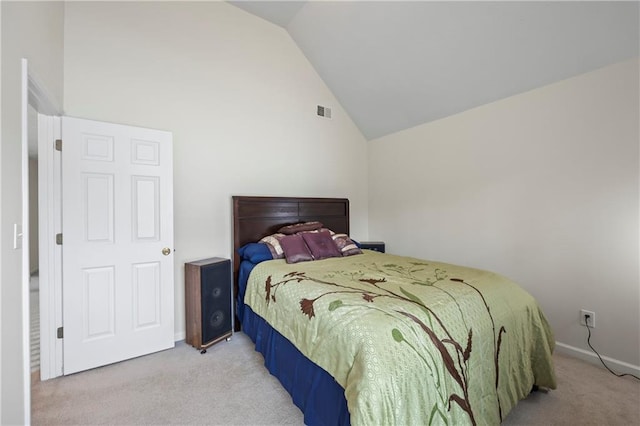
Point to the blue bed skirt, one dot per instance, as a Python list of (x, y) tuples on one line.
[(312, 389)]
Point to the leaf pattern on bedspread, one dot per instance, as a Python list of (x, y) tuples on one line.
[(454, 355)]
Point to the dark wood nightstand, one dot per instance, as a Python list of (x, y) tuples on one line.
[(373, 245)]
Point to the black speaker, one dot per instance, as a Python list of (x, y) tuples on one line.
[(208, 298)]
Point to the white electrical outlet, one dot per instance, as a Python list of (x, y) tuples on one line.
[(591, 321)]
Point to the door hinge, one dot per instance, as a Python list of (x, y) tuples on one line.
[(60, 332), (58, 144), (59, 239)]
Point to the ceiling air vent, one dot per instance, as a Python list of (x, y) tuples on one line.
[(324, 111)]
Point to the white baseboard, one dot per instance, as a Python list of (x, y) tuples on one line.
[(619, 367), (179, 336)]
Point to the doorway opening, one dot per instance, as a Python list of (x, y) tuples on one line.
[(34, 279)]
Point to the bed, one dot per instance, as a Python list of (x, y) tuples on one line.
[(374, 338)]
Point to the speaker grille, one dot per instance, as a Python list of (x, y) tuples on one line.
[(216, 300), (217, 319)]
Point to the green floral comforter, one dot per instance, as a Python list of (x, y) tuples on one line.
[(412, 342)]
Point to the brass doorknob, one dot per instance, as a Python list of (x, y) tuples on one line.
[(166, 251)]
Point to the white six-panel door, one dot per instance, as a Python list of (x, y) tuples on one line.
[(117, 202)]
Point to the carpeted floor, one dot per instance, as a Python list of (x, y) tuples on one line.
[(230, 386), (34, 334), (34, 331)]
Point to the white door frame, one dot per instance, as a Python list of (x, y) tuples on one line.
[(50, 254), (26, 368), (35, 94)]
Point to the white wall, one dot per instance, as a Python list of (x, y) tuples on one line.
[(31, 30), (542, 187), (239, 97)]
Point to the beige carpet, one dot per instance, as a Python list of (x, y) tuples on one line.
[(230, 386)]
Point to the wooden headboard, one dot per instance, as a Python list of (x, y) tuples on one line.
[(257, 217)]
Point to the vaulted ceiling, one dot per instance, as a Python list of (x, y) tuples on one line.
[(397, 64)]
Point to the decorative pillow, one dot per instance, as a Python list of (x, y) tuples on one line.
[(299, 227), (273, 243), (321, 245), (346, 245), (255, 252), (295, 249), (315, 231)]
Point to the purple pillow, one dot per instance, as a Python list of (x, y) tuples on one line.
[(295, 249), (321, 245)]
